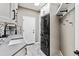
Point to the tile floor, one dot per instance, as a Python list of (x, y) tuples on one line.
[(34, 50)]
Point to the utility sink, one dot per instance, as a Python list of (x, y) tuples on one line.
[(15, 39), (13, 42)]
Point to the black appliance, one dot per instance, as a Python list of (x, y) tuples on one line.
[(45, 34)]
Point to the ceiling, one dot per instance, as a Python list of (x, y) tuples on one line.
[(31, 6)]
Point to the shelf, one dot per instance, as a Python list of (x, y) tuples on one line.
[(64, 9), (59, 8)]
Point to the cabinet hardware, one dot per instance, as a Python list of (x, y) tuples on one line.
[(14, 14)]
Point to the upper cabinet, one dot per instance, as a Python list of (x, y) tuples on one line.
[(4, 10), (8, 11)]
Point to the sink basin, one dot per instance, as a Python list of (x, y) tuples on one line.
[(12, 42)]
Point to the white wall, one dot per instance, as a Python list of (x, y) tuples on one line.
[(67, 40), (54, 30), (77, 26), (27, 12)]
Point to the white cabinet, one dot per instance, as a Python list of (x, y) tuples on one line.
[(8, 11), (45, 9), (4, 10)]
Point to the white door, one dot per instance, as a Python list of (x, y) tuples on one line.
[(29, 29)]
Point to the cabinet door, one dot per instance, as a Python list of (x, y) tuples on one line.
[(8, 10), (4, 10)]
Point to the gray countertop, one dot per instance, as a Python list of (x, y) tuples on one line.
[(8, 50)]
